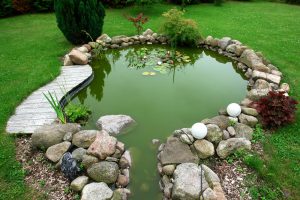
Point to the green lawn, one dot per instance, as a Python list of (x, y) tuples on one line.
[(31, 47)]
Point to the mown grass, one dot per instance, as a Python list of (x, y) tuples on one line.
[(31, 46)]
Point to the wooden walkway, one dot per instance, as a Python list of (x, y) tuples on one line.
[(35, 111)]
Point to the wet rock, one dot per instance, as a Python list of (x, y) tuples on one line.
[(115, 124), (49, 135), (103, 146), (88, 160), (176, 152), (168, 169), (69, 166), (187, 182), (78, 183), (84, 138), (248, 120), (55, 152), (104, 171), (78, 58), (204, 148), (227, 147), (96, 191), (214, 133), (125, 160), (243, 131), (79, 153)]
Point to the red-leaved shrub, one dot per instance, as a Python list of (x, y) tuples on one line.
[(22, 6), (276, 109), (138, 22)]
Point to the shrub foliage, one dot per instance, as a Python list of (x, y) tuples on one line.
[(180, 31), (138, 21), (22, 6), (6, 8), (79, 20), (77, 113), (43, 5), (276, 109)]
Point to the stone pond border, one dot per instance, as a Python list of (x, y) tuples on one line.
[(179, 156)]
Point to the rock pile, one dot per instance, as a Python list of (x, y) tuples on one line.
[(100, 161)]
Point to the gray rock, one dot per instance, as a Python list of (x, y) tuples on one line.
[(277, 73), (248, 120), (210, 176), (78, 183), (187, 182), (256, 94), (249, 111), (168, 169), (79, 153), (68, 137), (227, 147), (49, 135), (96, 191), (124, 44), (55, 152), (84, 138), (88, 160), (78, 58), (121, 194), (253, 61), (243, 131), (125, 160), (148, 32), (104, 171), (186, 138), (118, 39), (104, 38), (209, 194), (115, 124), (69, 166), (204, 148), (224, 42), (221, 121), (214, 133), (226, 135), (266, 76), (231, 131), (176, 152)]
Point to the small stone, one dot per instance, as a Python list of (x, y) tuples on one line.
[(55, 152), (224, 42), (105, 38), (186, 138), (67, 61), (122, 181), (88, 160), (248, 120), (204, 148), (84, 138), (104, 171), (221, 121), (112, 159), (227, 147), (217, 188), (261, 84), (159, 168), (155, 142), (125, 160), (256, 94), (77, 57), (79, 153), (225, 135), (168, 169), (120, 146), (214, 133), (249, 111), (96, 191), (266, 76), (285, 87), (69, 166), (222, 111), (121, 194), (243, 131), (231, 131), (68, 137), (78, 183), (246, 102), (210, 175)]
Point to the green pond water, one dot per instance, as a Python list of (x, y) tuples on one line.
[(160, 104)]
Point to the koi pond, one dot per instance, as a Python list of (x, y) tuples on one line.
[(163, 91)]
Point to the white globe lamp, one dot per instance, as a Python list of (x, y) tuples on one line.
[(234, 109), (199, 130)]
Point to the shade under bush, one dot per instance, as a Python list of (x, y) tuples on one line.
[(80, 20)]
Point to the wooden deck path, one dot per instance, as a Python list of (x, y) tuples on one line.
[(35, 111)]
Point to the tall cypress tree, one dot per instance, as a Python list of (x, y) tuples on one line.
[(79, 20)]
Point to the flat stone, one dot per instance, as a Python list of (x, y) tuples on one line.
[(84, 138), (266, 76), (115, 124), (221, 121), (204, 148), (250, 111), (227, 147), (253, 61), (248, 120), (78, 183), (231, 131), (176, 152), (187, 182), (104, 171), (55, 152), (96, 191), (49, 135), (243, 131), (103, 146)]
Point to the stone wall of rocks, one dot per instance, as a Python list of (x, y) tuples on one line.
[(96, 163)]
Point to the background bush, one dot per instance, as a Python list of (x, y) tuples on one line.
[(22, 6), (43, 5), (79, 20), (6, 8)]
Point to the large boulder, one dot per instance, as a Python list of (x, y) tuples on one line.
[(176, 152), (204, 148), (103, 146), (84, 138), (96, 191), (227, 147), (253, 61), (187, 182), (214, 133), (104, 171), (243, 131), (115, 124), (55, 152), (49, 135), (248, 120), (78, 57)]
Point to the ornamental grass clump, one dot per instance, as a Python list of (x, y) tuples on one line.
[(179, 30), (76, 18), (276, 109)]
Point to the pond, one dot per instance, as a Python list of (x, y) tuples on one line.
[(160, 100)]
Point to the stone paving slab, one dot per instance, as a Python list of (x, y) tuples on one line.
[(35, 110)]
